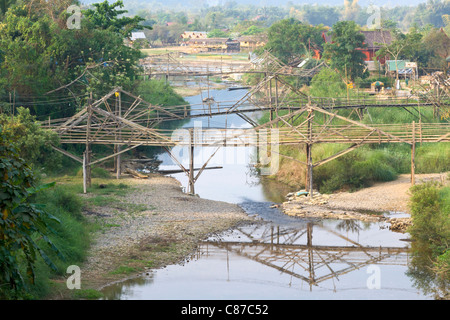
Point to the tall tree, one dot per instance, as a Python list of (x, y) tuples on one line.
[(439, 43), (38, 54), (344, 50), (290, 38), (106, 16)]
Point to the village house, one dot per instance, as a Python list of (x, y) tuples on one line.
[(251, 43), (215, 45), (194, 35), (137, 35)]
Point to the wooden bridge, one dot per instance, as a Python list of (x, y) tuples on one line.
[(171, 65), (122, 119)]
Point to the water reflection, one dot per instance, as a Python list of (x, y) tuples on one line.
[(292, 251), (313, 260), (422, 273)]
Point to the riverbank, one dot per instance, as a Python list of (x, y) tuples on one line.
[(148, 225), (368, 204), (391, 196)]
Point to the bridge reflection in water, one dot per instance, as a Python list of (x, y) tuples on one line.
[(304, 260), (293, 252)]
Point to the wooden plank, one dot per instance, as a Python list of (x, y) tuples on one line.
[(115, 154), (74, 157)]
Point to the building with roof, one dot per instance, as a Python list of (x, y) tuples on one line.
[(251, 43), (137, 35), (215, 44), (404, 68), (194, 35)]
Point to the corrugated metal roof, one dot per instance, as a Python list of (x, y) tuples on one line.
[(137, 35)]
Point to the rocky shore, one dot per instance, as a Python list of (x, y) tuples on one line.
[(300, 204), (368, 204), (161, 226)]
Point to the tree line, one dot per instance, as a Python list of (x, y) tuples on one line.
[(234, 19)]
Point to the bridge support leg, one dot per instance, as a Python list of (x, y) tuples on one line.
[(87, 152), (309, 175), (191, 162), (84, 173), (413, 154)]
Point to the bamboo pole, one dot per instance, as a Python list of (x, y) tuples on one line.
[(87, 159), (413, 151), (84, 173), (191, 162), (118, 158), (309, 156)]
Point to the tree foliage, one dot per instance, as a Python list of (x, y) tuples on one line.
[(290, 38), (105, 16), (344, 49), (21, 221), (33, 142), (39, 53), (218, 33)]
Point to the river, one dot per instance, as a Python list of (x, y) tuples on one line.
[(280, 257)]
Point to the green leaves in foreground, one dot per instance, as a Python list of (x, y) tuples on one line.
[(22, 223)]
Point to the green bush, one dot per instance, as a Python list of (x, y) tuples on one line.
[(42, 230), (63, 200), (96, 172), (366, 83), (70, 236), (430, 222), (158, 92), (430, 230), (24, 226), (33, 142), (354, 170)]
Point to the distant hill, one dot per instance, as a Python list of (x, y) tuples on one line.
[(179, 4)]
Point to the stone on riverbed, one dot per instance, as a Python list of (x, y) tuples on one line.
[(299, 204), (400, 224)]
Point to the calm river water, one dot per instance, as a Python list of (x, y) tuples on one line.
[(280, 258)]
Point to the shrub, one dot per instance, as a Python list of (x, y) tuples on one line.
[(430, 223), (96, 172), (22, 222), (33, 142)]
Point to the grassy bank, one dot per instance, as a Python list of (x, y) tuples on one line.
[(361, 167), (140, 224), (430, 265), (71, 236), (79, 226)]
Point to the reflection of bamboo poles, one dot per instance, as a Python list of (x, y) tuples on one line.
[(281, 251)]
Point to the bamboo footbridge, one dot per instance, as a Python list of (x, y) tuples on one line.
[(126, 121)]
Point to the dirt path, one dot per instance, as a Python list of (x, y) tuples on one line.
[(382, 197)]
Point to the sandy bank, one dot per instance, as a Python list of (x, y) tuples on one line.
[(381, 197), (165, 229), (368, 204)]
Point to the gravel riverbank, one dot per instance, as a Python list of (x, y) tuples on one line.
[(162, 225), (368, 204)]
